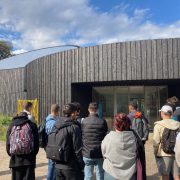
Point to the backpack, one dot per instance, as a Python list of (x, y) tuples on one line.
[(137, 126), (59, 148), (43, 137), (168, 140), (21, 139)]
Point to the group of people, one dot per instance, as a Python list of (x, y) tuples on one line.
[(76, 145)]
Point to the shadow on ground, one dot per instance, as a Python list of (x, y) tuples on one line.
[(154, 177), (41, 165), (41, 177), (3, 173)]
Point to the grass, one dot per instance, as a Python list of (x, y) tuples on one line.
[(4, 122)]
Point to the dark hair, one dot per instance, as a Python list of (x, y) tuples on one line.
[(133, 104), (93, 106), (69, 108), (121, 122), (23, 114), (55, 108), (28, 105), (173, 102), (78, 106)]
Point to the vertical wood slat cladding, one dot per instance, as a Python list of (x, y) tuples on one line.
[(105, 63), (154, 60), (49, 78), (96, 63), (87, 64), (124, 62), (164, 59), (175, 58), (170, 59), (80, 62), (118, 61), (159, 59), (129, 63), (178, 57), (133, 60), (144, 57), (149, 59), (11, 89), (114, 61), (138, 60), (109, 63), (100, 63), (84, 66), (91, 58)]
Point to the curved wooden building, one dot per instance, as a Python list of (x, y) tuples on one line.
[(145, 71)]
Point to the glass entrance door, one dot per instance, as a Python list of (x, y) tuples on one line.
[(115, 99)]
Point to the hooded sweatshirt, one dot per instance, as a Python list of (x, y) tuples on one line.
[(119, 152), (158, 131), (24, 159), (50, 121)]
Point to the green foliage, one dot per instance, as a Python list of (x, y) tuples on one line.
[(4, 122), (5, 49), (3, 130)]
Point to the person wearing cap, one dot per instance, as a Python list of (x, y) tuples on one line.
[(94, 130), (166, 163)]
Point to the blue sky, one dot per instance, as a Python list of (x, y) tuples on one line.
[(31, 24), (162, 11)]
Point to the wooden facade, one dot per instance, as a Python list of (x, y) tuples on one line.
[(50, 78), (11, 89)]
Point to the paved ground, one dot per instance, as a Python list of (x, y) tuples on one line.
[(41, 170)]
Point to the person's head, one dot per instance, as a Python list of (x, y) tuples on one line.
[(70, 110), (55, 109), (166, 112), (78, 106), (132, 106), (121, 122), (28, 106), (173, 102), (93, 108)]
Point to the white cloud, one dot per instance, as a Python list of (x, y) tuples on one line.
[(19, 51), (56, 22)]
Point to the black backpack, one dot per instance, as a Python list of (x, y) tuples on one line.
[(58, 147), (43, 137), (168, 140)]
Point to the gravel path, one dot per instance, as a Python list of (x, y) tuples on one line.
[(41, 170)]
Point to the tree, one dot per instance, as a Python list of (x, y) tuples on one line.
[(5, 49)]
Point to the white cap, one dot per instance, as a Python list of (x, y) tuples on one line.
[(166, 109)]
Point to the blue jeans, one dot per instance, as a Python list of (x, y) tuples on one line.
[(51, 170), (89, 168)]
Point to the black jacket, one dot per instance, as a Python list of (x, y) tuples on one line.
[(72, 134), (94, 130), (23, 160)]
